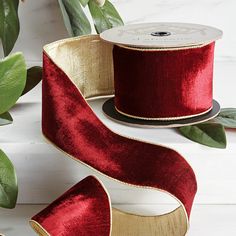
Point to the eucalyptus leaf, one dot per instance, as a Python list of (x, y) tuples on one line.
[(84, 2), (12, 80), (9, 24), (34, 76), (209, 134), (5, 119), (227, 118), (75, 20), (8, 182), (104, 17)]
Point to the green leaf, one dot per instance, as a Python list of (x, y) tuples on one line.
[(100, 3), (104, 17), (209, 134), (65, 18), (8, 182), (84, 2), (227, 118), (5, 119), (75, 20), (12, 80), (34, 76), (9, 24)]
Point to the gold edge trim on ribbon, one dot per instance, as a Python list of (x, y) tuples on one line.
[(107, 194), (163, 118), (176, 125), (38, 228), (143, 49)]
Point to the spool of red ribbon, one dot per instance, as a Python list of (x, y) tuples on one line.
[(163, 71)]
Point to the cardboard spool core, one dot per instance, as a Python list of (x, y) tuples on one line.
[(161, 35)]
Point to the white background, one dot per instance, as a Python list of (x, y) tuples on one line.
[(41, 21), (44, 173)]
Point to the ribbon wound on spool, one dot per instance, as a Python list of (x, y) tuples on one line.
[(161, 84)]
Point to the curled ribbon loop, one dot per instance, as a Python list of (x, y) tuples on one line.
[(80, 68)]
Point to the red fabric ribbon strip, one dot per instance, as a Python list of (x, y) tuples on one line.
[(69, 123), (163, 84)]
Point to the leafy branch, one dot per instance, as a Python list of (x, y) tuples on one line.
[(15, 81), (9, 24), (104, 15)]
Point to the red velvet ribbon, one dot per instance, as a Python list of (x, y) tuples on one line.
[(70, 124), (169, 84)]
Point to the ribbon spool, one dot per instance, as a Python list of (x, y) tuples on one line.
[(163, 74)]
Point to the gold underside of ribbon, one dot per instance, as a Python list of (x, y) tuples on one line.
[(87, 61), (38, 228), (164, 48), (125, 224)]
